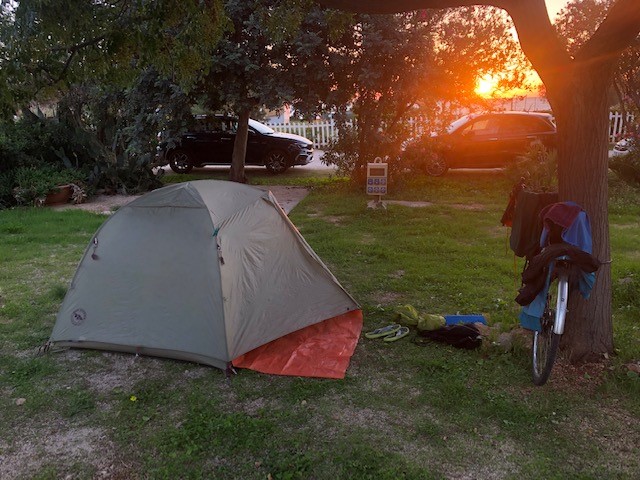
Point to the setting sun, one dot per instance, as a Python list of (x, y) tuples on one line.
[(490, 86), (485, 86)]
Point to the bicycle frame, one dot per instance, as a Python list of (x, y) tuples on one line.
[(547, 340), (561, 305)]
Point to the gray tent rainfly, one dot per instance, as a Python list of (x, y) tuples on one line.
[(203, 271)]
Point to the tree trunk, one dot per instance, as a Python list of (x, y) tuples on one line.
[(581, 110), (236, 173)]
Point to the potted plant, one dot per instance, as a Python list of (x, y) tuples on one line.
[(46, 186)]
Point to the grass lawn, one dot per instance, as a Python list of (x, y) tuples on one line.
[(404, 411)]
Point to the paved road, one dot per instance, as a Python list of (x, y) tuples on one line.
[(315, 164)]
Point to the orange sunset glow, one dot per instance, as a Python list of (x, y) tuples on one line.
[(487, 86)]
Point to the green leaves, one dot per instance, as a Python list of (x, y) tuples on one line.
[(47, 45)]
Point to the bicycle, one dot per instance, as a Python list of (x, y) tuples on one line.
[(545, 342), (555, 239)]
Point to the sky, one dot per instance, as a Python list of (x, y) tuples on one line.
[(554, 6), (485, 86)]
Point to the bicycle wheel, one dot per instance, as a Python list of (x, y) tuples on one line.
[(546, 341)]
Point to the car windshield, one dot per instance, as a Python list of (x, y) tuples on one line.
[(458, 123), (260, 127)]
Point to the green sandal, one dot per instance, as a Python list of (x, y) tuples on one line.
[(383, 331), (401, 333)]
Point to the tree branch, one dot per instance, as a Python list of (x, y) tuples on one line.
[(537, 36), (539, 40), (79, 46), (384, 6), (615, 33)]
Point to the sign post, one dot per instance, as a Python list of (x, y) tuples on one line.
[(377, 173)]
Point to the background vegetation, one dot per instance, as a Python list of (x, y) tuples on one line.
[(92, 97), (96, 95)]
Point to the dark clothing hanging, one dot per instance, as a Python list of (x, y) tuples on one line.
[(534, 276)]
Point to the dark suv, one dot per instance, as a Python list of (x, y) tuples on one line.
[(486, 140), (211, 143)]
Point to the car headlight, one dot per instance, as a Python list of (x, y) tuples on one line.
[(300, 146)]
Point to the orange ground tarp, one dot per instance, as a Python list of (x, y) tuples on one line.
[(321, 350)]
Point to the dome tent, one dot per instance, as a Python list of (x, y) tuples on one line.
[(208, 271)]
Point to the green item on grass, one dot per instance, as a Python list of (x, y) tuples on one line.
[(383, 331), (431, 322), (407, 315), (401, 333)]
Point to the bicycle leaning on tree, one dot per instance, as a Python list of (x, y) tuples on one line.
[(555, 239)]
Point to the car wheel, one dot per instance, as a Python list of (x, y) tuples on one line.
[(180, 161), (436, 165), (276, 161)]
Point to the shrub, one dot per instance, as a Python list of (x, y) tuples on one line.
[(627, 167), (346, 153), (22, 143), (343, 151), (32, 184), (417, 154), (38, 153), (538, 169), (6, 190)]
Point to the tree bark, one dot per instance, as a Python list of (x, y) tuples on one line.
[(582, 117), (577, 89), (236, 173)]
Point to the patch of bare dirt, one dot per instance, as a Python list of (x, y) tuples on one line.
[(288, 197), (386, 298), (585, 377), (472, 206), (333, 220), (60, 442), (57, 442), (103, 204), (120, 371), (409, 204), (460, 206), (367, 239)]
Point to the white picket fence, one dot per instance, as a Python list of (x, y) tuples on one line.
[(616, 125), (322, 132)]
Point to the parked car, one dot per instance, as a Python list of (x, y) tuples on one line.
[(486, 140), (212, 141)]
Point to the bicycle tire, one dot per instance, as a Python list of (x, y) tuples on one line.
[(545, 343)]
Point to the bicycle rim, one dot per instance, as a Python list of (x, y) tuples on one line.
[(545, 342)]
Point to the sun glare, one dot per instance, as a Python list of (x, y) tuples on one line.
[(485, 86)]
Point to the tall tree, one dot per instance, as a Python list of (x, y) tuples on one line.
[(95, 65), (393, 66), (577, 87), (576, 23), (46, 46), (383, 63), (477, 42), (275, 53)]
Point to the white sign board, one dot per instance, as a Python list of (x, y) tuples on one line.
[(377, 177)]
